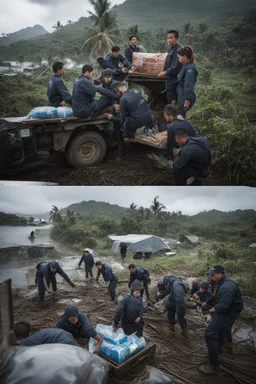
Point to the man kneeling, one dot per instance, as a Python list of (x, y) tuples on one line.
[(134, 110)]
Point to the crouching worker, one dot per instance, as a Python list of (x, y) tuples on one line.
[(177, 304), (202, 295), (134, 110), (129, 312), (45, 276), (109, 277), (194, 159), (78, 324), (24, 337), (115, 117)]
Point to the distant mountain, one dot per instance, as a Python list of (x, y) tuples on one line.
[(149, 15), (152, 14), (23, 34), (96, 208), (215, 215)]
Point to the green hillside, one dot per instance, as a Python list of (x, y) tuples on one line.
[(25, 33), (96, 209), (9, 219), (68, 41)]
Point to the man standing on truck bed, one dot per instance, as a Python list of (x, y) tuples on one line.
[(57, 92), (83, 103), (172, 67)]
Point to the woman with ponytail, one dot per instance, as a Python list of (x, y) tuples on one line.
[(187, 80)]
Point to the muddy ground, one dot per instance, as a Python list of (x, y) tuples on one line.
[(173, 354), (136, 167)]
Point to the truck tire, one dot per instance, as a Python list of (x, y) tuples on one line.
[(86, 149)]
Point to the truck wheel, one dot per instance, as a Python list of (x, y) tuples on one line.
[(86, 149)]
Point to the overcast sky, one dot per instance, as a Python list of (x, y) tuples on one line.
[(31, 200), (18, 14)]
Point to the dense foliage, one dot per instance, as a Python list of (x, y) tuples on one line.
[(9, 219)]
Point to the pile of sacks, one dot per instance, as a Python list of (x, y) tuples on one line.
[(40, 112), (117, 346)]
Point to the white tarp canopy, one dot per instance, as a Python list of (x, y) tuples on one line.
[(140, 243), (253, 245)]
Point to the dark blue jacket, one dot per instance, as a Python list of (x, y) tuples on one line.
[(88, 261), (129, 51), (203, 296), (229, 297), (123, 247), (196, 154), (83, 328), (172, 128), (141, 274), (45, 271), (133, 107), (49, 336), (187, 80), (129, 309), (57, 92), (112, 63), (177, 292), (83, 95), (172, 66), (109, 86), (106, 273)]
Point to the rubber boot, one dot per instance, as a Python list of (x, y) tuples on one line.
[(185, 333), (209, 369), (41, 298)]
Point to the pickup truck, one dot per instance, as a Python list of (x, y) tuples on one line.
[(84, 141)]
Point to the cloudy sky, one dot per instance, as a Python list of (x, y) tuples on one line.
[(18, 14), (31, 200)]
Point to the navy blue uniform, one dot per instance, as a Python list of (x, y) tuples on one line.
[(89, 263), (44, 271), (176, 301), (112, 63), (186, 87), (110, 278), (129, 51), (194, 160), (172, 128), (83, 328), (83, 103), (57, 92), (49, 336), (172, 67), (141, 274), (203, 296), (135, 112), (123, 249), (229, 304), (128, 310)]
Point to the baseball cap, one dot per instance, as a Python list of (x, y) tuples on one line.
[(217, 268)]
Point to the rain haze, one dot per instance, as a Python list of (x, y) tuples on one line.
[(18, 14), (32, 200)]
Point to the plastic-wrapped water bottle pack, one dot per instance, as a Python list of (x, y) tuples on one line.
[(41, 112), (116, 345)]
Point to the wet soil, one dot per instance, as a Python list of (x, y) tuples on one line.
[(174, 355), (134, 168)]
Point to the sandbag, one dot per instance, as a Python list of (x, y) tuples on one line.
[(52, 364), (155, 376), (39, 112), (64, 111)]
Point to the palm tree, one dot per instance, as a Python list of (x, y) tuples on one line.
[(188, 28), (156, 206), (100, 37), (38, 61), (69, 21), (101, 7), (133, 207), (56, 215), (57, 26), (21, 60), (71, 217), (203, 28), (136, 31)]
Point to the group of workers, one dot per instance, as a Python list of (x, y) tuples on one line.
[(189, 154), (219, 296)]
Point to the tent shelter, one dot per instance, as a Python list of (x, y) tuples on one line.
[(253, 245), (189, 239), (140, 243)]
